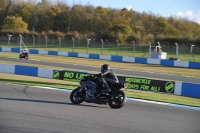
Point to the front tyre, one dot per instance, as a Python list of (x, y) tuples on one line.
[(77, 96), (118, 101), (26, 57)]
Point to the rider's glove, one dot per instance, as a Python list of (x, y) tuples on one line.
[(122, 84)]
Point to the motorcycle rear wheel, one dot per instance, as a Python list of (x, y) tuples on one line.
[(77, 97), (118, 101)]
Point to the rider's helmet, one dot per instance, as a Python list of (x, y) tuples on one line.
[(105, 67), (25, 49)]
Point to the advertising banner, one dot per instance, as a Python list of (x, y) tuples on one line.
[(68, 75), (149, 84), (135, 82)]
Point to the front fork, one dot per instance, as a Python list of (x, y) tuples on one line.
[(80, 88)]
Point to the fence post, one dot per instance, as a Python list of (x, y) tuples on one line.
[(9, 37), (191, 47), (167, 47), (101, 46), (73, 44), (39, 40), (46, 42), (133, 48), (149, 49), (33, 41), (117, 46), (159, 44), (88, 41), (176, 50), (59, 39), (20, 42), (52, 42), (94, 43)]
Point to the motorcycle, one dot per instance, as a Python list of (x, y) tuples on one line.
[(23, 55), (115, 99)]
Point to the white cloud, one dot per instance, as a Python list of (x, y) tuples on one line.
[(190, 15), (165, 15), (180, 14), (129, 7), (198, 17)]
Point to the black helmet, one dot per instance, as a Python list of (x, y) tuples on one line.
[(104, 67)]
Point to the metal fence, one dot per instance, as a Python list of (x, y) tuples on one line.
[(183, 52)]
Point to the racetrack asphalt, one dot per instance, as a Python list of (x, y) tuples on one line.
[(79, 67), (25, 109)]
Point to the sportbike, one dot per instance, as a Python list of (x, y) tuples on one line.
[(115, 99)]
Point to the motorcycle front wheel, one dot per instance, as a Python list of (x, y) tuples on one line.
[(118, 101), (77, 96)]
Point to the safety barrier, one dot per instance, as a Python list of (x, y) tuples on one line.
[(177, 88), (165, 62)]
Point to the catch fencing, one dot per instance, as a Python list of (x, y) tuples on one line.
[(173, 63), (103, 47)]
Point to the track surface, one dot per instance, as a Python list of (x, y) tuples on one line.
[(117, 70), (26, 109)]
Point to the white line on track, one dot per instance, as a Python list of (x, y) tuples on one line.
[(135, 99), (131, 99)]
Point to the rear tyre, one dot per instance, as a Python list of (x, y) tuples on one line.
[(77, 96), (118, 101)]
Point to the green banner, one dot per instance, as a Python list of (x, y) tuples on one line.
[(135, 82), (68, 75), (149, 84)]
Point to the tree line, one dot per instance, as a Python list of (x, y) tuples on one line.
[(86, 21)]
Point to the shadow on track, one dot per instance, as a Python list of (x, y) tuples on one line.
[(52, 102)]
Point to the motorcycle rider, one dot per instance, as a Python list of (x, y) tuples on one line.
[(104, 79), (24, 51), (109, 77), (24, 54)]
